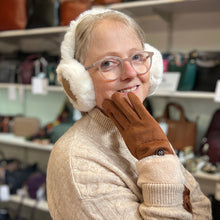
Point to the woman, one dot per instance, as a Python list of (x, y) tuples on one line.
[(115, 162)]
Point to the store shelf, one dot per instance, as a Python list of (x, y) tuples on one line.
[(42, 205), (209, 183), (33, 32), (136, 9), (178, 94), (166, 7), (186, 94), (11, 139), (28, 87), (207, 176)]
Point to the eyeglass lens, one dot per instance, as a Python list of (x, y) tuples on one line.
[(112, 67)]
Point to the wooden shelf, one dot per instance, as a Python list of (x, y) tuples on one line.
[(11, 139), (42, 205)]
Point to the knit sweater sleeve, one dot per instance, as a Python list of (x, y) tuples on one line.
[(162, 184), (85, 186), (162, 180)]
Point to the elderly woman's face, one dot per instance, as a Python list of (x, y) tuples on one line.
[(115, 39)]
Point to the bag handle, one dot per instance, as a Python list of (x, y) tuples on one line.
[(166, 113)]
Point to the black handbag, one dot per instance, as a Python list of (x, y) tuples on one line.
[(208, 71), (43, 13), (8, 67)]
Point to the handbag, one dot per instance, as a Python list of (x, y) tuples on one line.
[(26, 126), (43, 13), (106, 2), (13, 14), (210, 144), (208, 71), (187, 69), (70, 10), (26, 68), (8, 65), (181, 133)]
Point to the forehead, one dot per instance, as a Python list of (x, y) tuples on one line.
[(109, 31), (112, 38), (112, 25)]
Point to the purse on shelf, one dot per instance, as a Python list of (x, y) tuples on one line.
[(8, 66), (208, 71), (181, 133), (211, 141), (43, 13), (25, 126), (26, 68), (106, 2), (70, 10), (186, 65), (13, 14)]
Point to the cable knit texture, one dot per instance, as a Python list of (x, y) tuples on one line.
[(92, 175)]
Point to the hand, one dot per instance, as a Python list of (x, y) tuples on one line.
[(141, 133)]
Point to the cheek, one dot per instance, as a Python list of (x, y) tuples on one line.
[(103, 90), (145, 80)]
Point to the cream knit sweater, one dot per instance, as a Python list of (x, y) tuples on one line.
[(92, 175)]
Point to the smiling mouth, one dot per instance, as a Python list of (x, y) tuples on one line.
[(128, 90)]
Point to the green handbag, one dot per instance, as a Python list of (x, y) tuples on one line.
[(187, 69), (188, 76)]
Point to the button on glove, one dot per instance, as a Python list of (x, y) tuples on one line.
[(141, 133)]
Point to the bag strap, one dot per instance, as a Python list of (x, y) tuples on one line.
[(166, 113)]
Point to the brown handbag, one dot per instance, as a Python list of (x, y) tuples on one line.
[(106, 2), (181, 133), (70, 10), (13, 14), (25, 126)]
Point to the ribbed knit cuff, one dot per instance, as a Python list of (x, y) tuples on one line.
[(163, 194)]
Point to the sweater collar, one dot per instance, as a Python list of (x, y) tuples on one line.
[(102, 120)]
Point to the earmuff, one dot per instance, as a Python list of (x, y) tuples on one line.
[(76, 80)]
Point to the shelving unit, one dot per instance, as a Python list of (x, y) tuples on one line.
[(179, 94), (42, 205), (10, 139), (186, 94), (28, 87), (33, 32)]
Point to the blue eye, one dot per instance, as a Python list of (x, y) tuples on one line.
[(137, 57), (140, 57), (107, 65)]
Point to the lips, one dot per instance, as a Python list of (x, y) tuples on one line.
[(128, 89)]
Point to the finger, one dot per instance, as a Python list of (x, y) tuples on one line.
[(122, 103), (138, 106), (115, 114)]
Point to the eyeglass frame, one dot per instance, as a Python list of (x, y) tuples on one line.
[(122, 60)]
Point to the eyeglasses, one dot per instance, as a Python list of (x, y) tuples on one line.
[(111, 67)]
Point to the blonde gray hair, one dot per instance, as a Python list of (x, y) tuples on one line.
[(86, 26)]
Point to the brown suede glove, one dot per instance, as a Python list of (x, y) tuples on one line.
[(141, 133)]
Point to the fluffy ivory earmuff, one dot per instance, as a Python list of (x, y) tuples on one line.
[(76, 80)]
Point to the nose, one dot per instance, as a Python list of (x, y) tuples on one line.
[(128, 71)]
